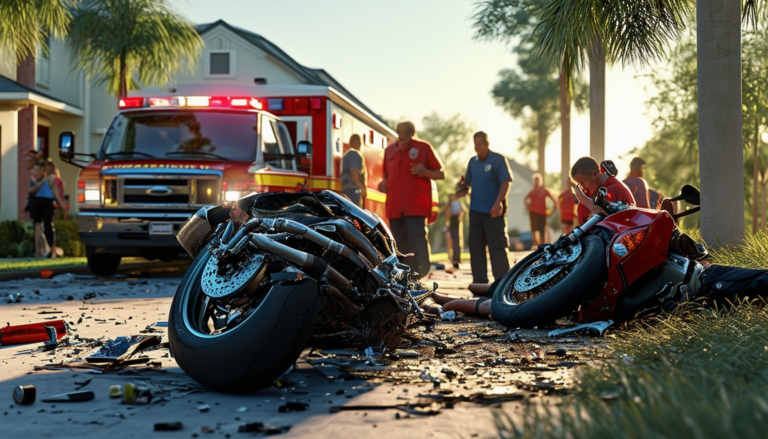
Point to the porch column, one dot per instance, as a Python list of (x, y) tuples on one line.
[(27, 134)]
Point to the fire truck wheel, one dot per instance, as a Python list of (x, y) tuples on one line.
[(585, 277), (102, 264), (252, 354)]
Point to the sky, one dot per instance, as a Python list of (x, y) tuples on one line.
[(407, 58)]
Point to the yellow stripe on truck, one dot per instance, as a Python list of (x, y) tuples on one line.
[(334, 185), (279, 180), (376, 196)]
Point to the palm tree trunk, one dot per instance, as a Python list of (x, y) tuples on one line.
[(565, 131), (721, 156), (763, 184), (754, 171), (123, 78), (597, 104), (542, 147)]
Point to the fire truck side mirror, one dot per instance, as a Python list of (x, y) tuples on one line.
[(304, 149), (67, 146)]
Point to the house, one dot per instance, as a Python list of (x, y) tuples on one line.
[(48, 94)]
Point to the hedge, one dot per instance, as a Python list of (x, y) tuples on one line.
[(17, 239)]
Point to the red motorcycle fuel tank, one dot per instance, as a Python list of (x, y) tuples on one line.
[(645, 234)]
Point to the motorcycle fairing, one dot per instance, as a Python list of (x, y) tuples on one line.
[(624, 271)]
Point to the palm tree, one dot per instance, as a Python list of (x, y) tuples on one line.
[(508, 20), (534, 88), (122, 42), (26, 24)]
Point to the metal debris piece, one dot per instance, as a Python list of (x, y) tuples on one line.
[(123, 348), (596, 329), (80, 396), (448, 316), (407, 354), (168, 426), (371, 351)]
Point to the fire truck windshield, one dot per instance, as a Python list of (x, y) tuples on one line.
[(184, 135)]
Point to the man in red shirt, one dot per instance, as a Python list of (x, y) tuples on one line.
[(586, 174), (536, 203), (409, 167), (637, 184), (567, 210)]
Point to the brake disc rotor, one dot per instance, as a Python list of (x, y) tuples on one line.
[(536, 274), (218, 285)]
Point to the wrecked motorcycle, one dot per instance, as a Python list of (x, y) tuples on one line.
[(616, 265), (279, 271)]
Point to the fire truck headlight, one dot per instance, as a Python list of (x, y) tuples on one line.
[(92, 195), (231, 195)]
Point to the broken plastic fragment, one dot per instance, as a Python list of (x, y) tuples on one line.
[(596, 329), (448, 316)]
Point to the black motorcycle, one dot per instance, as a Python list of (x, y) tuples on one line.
[(278, 272)]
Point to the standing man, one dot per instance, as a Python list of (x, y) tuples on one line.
[(409, 167), (454, 213), (353, 175), (489, 177), (637, 184), (536, 203)]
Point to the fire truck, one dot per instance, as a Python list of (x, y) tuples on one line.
[(167, 154)]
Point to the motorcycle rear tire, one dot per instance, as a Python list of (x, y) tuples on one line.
[(254, 353), (586, 278)]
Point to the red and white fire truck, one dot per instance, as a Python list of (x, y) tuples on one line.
[(167, 154)]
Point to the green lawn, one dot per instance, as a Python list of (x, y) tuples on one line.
[(690, 374), (39, 264)]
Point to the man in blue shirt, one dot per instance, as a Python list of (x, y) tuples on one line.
[(489, 176)]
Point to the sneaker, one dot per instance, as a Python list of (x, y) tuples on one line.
[(456, 266)]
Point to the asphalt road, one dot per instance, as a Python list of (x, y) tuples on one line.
[(486, 359)]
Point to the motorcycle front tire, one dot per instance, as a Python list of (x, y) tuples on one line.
[(254, 353), (586, 278)]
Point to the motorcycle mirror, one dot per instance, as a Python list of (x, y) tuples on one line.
[(689, 194), (602, 193)]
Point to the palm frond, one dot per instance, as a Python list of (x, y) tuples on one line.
[(26, 24), (147, 36)]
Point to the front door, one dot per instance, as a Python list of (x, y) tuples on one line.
[(42, 140)]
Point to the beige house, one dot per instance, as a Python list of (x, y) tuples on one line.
[(39, 100)]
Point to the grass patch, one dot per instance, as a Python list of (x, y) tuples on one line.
[(691, 374), (38, 264)]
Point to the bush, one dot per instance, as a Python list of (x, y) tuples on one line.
[(68, 238), (16, 239)]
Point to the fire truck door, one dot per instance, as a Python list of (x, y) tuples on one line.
[(300, 128)]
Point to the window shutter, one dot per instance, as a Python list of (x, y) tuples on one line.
[(219, 64)]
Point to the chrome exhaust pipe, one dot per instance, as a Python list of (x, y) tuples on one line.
[(313, 265), (296, 228)]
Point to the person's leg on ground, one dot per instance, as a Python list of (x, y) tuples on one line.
[(419, 242), (477, 259)]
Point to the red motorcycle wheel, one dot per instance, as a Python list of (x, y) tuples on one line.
[(558, 291)]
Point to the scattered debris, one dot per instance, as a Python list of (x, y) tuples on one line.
[(371, 351), (204, 408), (79, 396), (89, 296), (448, 316), (31, 333), (24, 395), (252, 427), (123, 348), (168, 426), (596, 329)]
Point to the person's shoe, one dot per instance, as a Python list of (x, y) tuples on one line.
[(456, 266), (59, 252)]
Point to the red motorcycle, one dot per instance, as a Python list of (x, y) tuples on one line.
[(615, 265)]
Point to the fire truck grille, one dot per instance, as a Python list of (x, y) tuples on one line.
[(151, 199)]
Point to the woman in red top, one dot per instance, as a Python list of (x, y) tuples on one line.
[(536, 203)]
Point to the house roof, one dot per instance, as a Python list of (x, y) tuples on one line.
[(312, 76), (520, 172), (14, 94)]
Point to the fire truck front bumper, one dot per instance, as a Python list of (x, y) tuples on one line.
[(131, 233)]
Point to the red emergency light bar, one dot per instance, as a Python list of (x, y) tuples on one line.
[(192, 102)]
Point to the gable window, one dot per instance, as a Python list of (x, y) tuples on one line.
[(220, 64)]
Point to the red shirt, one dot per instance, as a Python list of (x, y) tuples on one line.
[(567, 206), (538, 197), (639, 188), (617, 191), (407, 194)]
